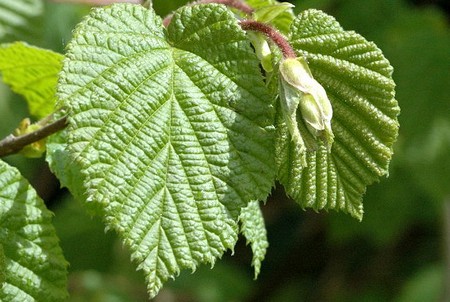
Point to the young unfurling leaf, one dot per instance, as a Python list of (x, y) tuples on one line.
[(302, 96)]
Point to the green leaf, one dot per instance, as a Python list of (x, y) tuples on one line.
[(34, 267), (265, 8), (270, 12), (19, 19), (358, 81), (254, 230), (2, 266), (262, 50), (31, 72), (62, 166), (172, 130)]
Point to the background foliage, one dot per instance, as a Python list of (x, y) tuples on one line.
[(395, 254)]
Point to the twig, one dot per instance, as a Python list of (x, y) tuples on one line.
[(13, 144)]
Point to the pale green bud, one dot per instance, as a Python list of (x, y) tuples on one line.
[(148, 4), (262, 50), (302, 96)]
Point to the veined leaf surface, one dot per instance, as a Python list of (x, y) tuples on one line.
[(254, 230), (358, 81), (31, 72), (32, 266), (172, 130)]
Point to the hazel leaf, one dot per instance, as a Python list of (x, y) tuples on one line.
[(358, 81), (32, 266), (171, 130)]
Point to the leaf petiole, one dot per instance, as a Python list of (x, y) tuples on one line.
[(274, 35)]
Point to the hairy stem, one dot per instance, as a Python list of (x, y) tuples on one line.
[(13, 144), (272, 34)]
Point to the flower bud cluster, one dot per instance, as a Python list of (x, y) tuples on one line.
[(305, 105)]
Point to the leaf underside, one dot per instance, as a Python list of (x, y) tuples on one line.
[(34, 268), (31, 72), (171, 130), (358, 81)]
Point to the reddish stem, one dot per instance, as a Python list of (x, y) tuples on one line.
[(272, 34), (167, 19)]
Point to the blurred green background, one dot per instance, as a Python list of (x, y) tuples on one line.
[(399, 252)]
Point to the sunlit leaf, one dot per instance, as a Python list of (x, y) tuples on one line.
[(31, 72), (171, 130), (31, 261), (358, 81), (254, 230)]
